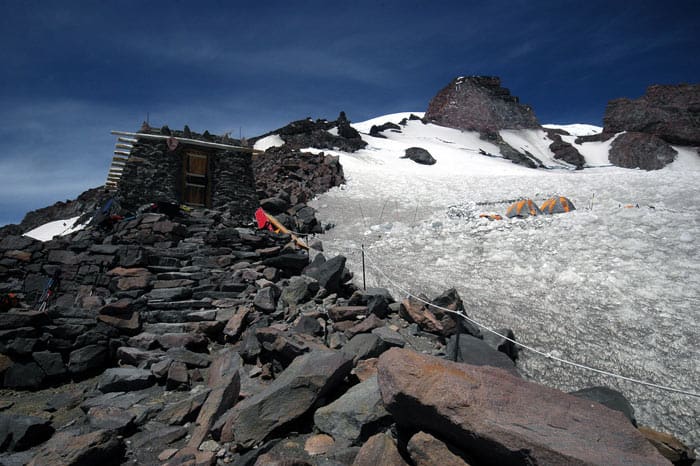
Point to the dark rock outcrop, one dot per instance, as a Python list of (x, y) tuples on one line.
[(88, 201), (641, 150), (670, 112), (376, 130), (563, 150), (479, 103), (419, 155), (319, 134)]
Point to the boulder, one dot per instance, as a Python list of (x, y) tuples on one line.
[(86, 359), (366, 325), (365, 346), (349, 418), (297, 389), (19, 432), (340, 313), (299, 290), (125, 379), (235, 325), (609, 398), (192, 341), (183, 411), (499, 343), (111, 418), (308, 325), (329, 274), (670, 447), (501, 419), (379, 449), (419, 155), (73, 449), (24, 376), (224, 382), (178, 378), (426, 450), (451, 323), (188, 357), (50, 363), (640, 150), (467, 349), (417, 311), (289, 263), (266, 299), (377, 300)]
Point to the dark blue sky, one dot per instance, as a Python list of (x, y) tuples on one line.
[(71, 71)]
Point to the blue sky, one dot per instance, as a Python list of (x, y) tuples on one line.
[(72, 71)]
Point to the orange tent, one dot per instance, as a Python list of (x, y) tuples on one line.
[(523, 208), (557, 205)]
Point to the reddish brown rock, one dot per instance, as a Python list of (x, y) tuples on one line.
[(365, 368), (22, 256), (416, 311), (236, 323), (128, 272), (379, 449), (129, 326), (65, 448), (426, 450), (319, 444), (501, 419), (479, 103), (225, 382), (347, 312), (365, 326), (134, 283), (669, 446)]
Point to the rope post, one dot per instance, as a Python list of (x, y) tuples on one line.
[(364, 280)]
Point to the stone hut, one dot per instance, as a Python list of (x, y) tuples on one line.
[(183, 167)]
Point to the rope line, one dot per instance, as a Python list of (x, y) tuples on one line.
[(527, 347)]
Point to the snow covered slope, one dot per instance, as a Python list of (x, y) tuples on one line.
[(607, 286)]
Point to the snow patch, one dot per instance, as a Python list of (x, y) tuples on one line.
[(577, 129), (273, 140), (48, 230), (365, 126)]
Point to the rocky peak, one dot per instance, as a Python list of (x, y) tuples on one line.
[(670, 112), (479, 103)]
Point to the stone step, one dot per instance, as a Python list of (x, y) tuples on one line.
[(190, 304)]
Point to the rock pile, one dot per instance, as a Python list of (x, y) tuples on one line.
[(286, 179), (195, 340), (89, 201), (320, 134)]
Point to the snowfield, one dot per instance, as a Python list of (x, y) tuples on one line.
[(610, 285)]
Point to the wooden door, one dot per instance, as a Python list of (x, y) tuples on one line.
[(196, 179)]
